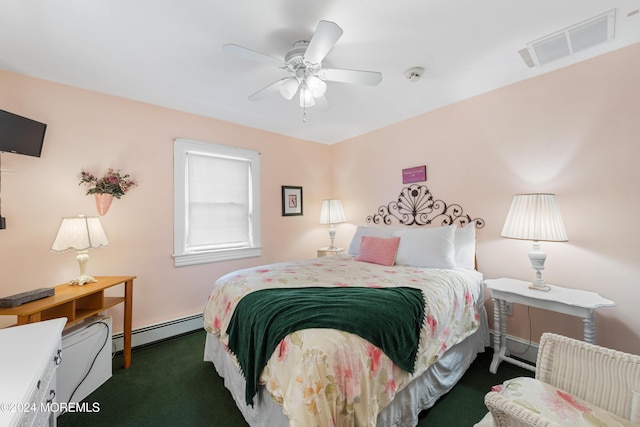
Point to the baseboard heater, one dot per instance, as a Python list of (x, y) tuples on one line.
[(160, 331)]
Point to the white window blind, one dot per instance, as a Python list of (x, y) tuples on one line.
[(216, 202)]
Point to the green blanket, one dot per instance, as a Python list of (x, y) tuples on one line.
[(389, 318)]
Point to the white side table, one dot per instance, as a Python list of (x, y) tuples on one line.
[(562, 300), (328, 251)]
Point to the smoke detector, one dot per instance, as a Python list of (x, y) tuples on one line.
[(413, 74)]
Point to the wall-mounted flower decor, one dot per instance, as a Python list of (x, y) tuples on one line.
[(112, 184)]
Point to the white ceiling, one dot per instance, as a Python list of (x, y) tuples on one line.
[(168, 52)]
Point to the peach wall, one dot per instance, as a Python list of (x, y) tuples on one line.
[(572, 132), (95, 131)]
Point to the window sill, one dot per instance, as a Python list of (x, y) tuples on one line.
[(184, 260)]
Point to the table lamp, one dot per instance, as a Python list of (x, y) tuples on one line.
[(80, 233), (332, 213), (535, 217)]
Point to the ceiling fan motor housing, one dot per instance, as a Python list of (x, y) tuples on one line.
[(295, 55)]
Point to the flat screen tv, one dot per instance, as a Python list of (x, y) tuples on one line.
[(21, 135)]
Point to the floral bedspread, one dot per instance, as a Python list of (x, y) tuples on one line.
[(325, 377)]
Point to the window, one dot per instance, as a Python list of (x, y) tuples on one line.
[(216, 203)]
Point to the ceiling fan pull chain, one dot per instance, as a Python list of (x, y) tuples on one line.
[(304, 114)]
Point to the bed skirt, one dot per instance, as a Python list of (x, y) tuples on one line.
[(403, 411)]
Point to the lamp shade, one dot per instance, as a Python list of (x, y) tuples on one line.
[(317, 87), (306, 97), (79, 233), (535, 217), (332, 212), (289, 88)]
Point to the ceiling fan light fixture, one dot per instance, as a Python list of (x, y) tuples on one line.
[(289, 88), (306, 97), (317, 87)]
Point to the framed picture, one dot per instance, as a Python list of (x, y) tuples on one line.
[(415, 174), (291, 200)]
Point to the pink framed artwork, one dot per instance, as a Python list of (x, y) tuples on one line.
[(415, 174)]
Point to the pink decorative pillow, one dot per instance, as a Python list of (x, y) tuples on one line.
[(378, 250)]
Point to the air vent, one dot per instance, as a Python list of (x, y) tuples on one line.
[(586, 34)]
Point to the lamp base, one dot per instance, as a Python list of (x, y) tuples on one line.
[(538, 257), (332, 236), (540, 287), (83, 259), (82, 280)]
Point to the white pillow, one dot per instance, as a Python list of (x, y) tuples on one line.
[(465, 246), (362, 230), (427, 247)]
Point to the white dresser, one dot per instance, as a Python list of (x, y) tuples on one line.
[(29, 356)]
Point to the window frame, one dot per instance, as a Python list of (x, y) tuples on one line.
[(182, 257)]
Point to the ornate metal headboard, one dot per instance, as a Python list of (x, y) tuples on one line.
[(416, 206)]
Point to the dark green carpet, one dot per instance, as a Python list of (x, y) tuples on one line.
[(168, 384)]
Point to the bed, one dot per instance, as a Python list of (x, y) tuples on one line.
[(369, 337)]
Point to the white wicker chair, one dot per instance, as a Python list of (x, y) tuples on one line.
[(605, 378)]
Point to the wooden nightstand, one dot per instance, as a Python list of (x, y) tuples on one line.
[(562, 300), (79, 302), (328, 251)]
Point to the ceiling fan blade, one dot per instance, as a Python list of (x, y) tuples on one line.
[(371, 78), (269, 90), (252, 55), (323, 40)]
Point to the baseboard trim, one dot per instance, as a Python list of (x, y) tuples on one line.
[(520, 348), (159, 331)]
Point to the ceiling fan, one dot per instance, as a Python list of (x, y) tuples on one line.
[(303, 62)]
